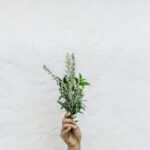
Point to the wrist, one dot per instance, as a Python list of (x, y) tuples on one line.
[(74, 147)]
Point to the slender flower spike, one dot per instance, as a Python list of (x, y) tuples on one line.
[(70, 87)]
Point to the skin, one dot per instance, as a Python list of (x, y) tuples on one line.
[(70, 133)]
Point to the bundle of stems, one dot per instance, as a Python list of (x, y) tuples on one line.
[(70, 87)]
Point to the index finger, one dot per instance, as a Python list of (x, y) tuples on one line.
[(67, 115)]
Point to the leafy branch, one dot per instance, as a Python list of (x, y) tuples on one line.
[(70, 87)]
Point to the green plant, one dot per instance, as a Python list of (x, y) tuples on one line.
[(70, 87)]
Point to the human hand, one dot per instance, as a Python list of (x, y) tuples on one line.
[(70, 132)]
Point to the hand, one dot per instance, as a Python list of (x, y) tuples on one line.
[(70, 132)]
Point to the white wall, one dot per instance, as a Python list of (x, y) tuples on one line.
[(111, 41)]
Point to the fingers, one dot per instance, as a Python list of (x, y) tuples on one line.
[(69, 128), (68, 120), (66, 125), (65, 132)]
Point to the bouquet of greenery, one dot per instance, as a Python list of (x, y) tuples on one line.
[(70, 87)]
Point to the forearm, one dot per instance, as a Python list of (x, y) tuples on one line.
[(77, 147)]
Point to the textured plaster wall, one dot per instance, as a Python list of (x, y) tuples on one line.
[(111, 40)]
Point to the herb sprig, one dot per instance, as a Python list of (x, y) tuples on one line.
[(70, 87)]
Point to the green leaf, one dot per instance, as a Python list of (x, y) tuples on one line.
[(84, 83), (83, 79), (60, 97), (83, 107), (60, 103), (80, 76), (64, 79), (84, 100), (76, 79)]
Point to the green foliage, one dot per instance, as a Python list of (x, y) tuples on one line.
[(70, 87)]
